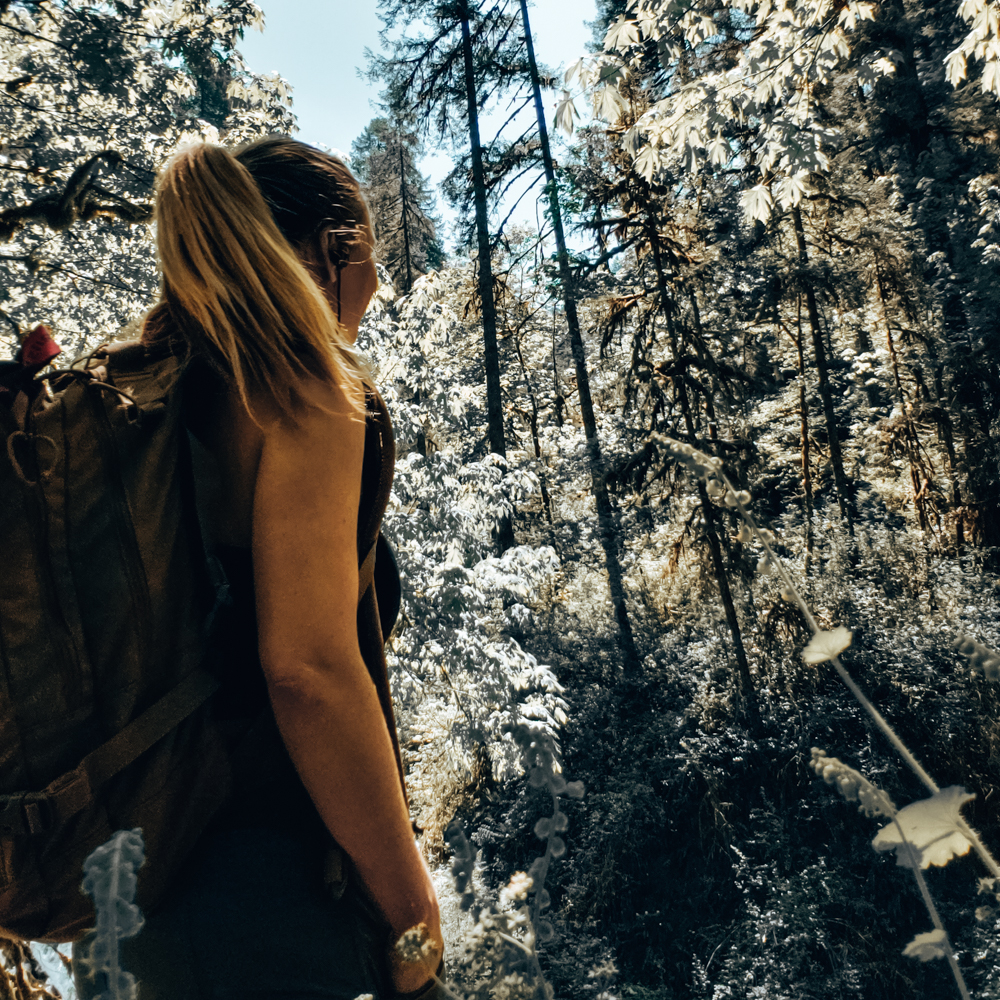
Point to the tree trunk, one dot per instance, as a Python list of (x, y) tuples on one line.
[(746, 696), (945, 436), (807, 490), (559, 398), (491, 353), (406, 222), (607, 523), (913, 445), (823, 378), (534, 436)]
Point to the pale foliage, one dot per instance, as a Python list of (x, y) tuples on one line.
[(931, 826), (981, 43), (789, 48), (101, 81), (458, 673), (826, 645), (932, 944)]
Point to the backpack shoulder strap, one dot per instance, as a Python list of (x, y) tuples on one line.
[(366, 571)]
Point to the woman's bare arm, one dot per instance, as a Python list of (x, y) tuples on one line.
[(306, 578)]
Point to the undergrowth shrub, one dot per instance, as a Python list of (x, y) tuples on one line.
[(460, 676), (710, 859)]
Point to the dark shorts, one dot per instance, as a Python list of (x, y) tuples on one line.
[(253, 921)]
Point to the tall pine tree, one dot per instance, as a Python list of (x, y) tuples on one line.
[(441, 74), (384, 157)]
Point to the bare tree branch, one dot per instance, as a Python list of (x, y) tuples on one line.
[(81, 200)]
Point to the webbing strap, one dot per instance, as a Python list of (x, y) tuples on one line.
[(366, 571), (74, 791), (141, 733)]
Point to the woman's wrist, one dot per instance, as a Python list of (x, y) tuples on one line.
[(409, 900)]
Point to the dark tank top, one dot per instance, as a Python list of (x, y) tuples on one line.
[(269, 791)]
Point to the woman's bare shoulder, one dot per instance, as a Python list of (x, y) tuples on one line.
[(261, 451), (322, 421)]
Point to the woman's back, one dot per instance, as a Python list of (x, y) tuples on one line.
[(267, 271)]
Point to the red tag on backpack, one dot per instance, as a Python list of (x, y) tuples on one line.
[(39, 348)]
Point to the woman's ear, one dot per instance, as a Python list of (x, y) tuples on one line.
[(330, 255)]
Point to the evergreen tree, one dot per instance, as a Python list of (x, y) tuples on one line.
[(609, 532), (443, 76), (384, 157)]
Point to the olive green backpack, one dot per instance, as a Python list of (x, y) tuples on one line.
[(106, 600)]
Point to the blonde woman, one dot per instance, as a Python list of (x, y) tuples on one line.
[(267, 272)]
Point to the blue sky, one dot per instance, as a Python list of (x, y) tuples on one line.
[(318, 46)]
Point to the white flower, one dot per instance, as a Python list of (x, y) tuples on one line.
[(517, 889), (933, 944), (826, 645)]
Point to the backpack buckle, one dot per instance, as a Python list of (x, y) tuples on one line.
[(28, 814), (38, 814), (69, 794), (24, 815)]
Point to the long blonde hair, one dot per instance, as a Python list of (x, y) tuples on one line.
[(235, 286)]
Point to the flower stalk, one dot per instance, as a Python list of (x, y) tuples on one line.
[(709, 468), (855, 787)]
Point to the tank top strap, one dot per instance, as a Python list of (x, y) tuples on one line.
[(377, 470)]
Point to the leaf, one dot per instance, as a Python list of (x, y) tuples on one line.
[(647, 163), (931, 828), (790, 190), (991, 77), (757, 203), (631, 141), (608, 104), (970, 9), (886, 65), (836, 42), (766, 89), (611, 72), (956, 67), (621, 34), (826, 645), (854, 12), (565, 113), (719, 150), (933, 944), (573, 70)]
